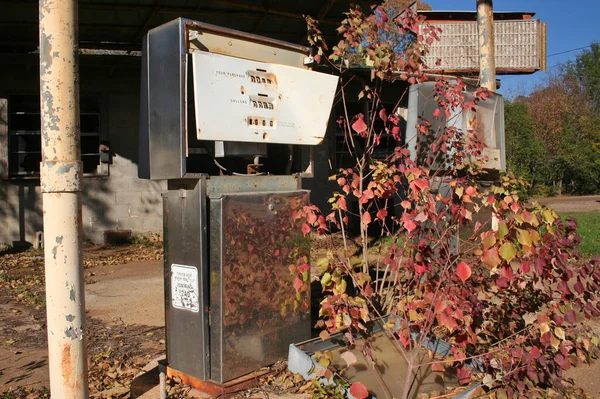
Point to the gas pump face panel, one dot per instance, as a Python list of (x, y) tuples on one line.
[(247, 101)]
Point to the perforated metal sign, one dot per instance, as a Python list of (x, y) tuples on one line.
[(242, 100)]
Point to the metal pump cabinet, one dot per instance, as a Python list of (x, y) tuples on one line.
[(227, 118)]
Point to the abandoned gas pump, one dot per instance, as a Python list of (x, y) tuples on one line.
[(228, 118)]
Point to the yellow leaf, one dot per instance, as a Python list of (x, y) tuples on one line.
[(489, 240), (549, 216), (524, 237), (554, 342)]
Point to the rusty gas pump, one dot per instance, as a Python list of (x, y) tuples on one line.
[(228, 119)]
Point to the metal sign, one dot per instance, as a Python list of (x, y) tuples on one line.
[(184, 288), (249, 101)]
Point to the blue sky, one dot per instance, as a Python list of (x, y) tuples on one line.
[(571, 24)]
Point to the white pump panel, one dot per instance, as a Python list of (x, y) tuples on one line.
[(249, 101)]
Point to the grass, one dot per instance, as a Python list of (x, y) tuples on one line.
[(588, 229)]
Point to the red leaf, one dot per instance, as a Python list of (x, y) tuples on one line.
[(527, 217), (490, 258), (463, 271), (359, 126), (341, 202), (535, 353), (421, 184), (464, 376), (570, 317), (410, 225), (436, 113), (303, 268), (562, 362), (305, 229), (383, 114), (298, 284), (366, 218), (382, 214), (438, 367), (366, 196), (311, 218), (359, 391)]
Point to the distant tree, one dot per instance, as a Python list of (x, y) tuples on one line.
[(585, 73), (567, 120), (525, 152)]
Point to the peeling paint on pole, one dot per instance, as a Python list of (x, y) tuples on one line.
[(61, 184), (487, 58)]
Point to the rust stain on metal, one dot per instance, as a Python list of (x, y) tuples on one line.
[(226, 390), (66, 363)]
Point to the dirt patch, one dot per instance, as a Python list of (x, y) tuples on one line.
[(124, 320), (23, 353), (131, 293), (587, 203)]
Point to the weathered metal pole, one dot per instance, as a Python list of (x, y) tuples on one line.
[(487, 53), (61, 184)]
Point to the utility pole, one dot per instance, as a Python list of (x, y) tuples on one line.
[(61, 183), (487, 53)]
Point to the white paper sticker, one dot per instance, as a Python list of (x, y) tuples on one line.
[(184, 288)]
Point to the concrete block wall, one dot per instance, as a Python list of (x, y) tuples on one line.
[(117, 200)]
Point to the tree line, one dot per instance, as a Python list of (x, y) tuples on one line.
[(553, 134)]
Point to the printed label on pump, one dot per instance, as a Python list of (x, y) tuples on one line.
[(184, 288)]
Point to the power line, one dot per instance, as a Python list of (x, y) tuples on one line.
[(569, 51)]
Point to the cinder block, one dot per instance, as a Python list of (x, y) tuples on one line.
[(118, 212), (128, 197), (135, 224), (153, 224), (117, 184)]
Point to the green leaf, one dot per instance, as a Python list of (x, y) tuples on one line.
[(502, 229), (326, 279), (507, 251)]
